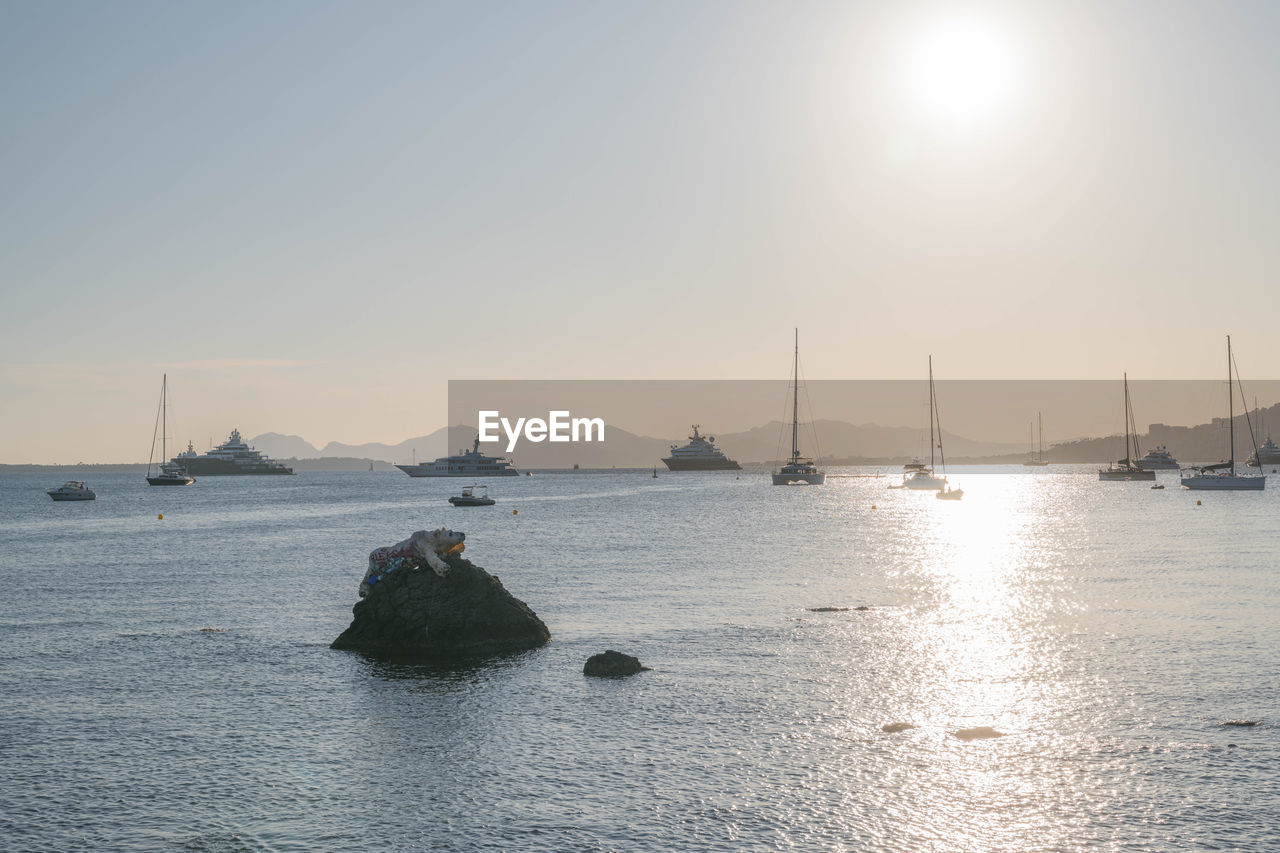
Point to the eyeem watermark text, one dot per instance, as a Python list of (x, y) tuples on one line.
[(559, 426)]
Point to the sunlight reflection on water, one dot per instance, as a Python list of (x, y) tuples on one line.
[(1105, 630)]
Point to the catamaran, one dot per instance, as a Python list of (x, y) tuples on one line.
[(800, 469), (1126, 469), (1223, 476)]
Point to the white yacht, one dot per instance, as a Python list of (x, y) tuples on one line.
[(1125, 470), (1159, 459), (700, 454), (1268, 453), (465, 463), (1223, 477), (233, 456), (72, 490)]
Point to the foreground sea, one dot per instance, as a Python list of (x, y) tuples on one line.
[(166, 684)]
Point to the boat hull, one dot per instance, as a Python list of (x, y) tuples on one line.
[(198, 467), (456, 501), (816, 478), (1225, 484), (425, 470), (1034, 464), (67, 497), (1125, 476), (170, 481), (925, 483), (677, 464), (1267, 459)]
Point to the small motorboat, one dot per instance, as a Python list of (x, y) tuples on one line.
[(72, 490), (473, 496), (1157, 486), (949, 494)]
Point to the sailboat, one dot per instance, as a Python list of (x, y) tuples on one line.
[(800, 469), (1038, 462), (1126, 468), (1223, 476), (171, 474), (920, 476), (946, 493)]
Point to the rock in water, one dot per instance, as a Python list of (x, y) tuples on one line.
[(417, 614), (977, 733), (612, 664)]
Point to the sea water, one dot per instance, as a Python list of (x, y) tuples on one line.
[(167, 683)]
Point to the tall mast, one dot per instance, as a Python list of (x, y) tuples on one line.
[(1231, 412), (164, 417), (795, 404), (1127, 459), (932, 412), (1040, 418)]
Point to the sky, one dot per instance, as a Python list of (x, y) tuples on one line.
[(312, 215)]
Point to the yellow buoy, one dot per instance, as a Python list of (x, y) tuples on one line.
[(873, 506), (1197, 503), (515, 512), (161, 515)]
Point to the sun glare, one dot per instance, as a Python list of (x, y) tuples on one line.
[(962, 72)]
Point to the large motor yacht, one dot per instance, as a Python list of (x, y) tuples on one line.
[(1159, 459), (233, 456), (1268, 454), (700, 454), (465, 463)]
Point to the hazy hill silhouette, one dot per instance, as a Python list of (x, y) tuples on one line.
[(628, 450)]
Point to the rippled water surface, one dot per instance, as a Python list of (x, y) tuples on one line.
[(167, 684)]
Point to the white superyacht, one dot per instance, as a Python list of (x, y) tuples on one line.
[(700, 454), (465, 463)]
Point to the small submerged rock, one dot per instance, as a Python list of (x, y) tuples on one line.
[(836, 609), (977, 733), (612, 664), (894, 728)]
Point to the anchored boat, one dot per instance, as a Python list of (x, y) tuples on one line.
[(800, 469), (1125, 469), (1223, 476), (171, 473), (72, 490), (473, 496)]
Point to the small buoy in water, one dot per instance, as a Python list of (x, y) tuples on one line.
[(873, 506), (515, 512), (1197, 503), (161, 515)]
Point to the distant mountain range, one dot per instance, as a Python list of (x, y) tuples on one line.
[(837, 442)]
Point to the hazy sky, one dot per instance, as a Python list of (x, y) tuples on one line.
[(314, 214)]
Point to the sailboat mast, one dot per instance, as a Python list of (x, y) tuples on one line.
[(164, 417), (1231, 412), (932, 441), (1127, 458), (795, 404), (1040, 418)]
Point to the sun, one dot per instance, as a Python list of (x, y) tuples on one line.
[(962, 72)]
